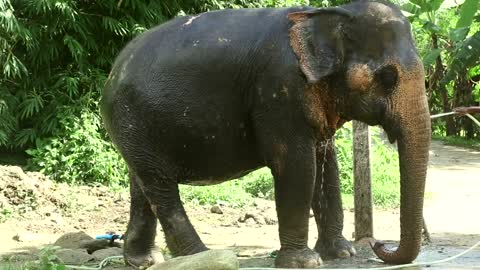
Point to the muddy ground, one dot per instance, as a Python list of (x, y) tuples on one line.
[(451, 213)]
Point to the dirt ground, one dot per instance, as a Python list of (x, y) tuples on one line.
[(453, 196)]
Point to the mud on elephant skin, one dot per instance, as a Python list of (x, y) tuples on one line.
[(207, 98)]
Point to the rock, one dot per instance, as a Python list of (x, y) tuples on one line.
[(207, 260), (74, 256), (81, 240), (250, 215), (250, 222), (25, 237), (158, 256), (252, 218), (72, 240), (94, 245), (57, 220), (22, 257), (216, 209), (270, 221), (121, 220), (101, 254)]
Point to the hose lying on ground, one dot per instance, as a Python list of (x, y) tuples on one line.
[(108, 259)]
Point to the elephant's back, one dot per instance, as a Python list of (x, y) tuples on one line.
[(212, 58), (185, 86)]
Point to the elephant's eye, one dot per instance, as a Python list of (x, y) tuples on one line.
[(387, 77)]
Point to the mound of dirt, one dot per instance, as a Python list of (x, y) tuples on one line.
[(30, 193)]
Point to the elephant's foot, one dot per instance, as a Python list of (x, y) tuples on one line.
[(338, 247), (292, 258), (139, 261)]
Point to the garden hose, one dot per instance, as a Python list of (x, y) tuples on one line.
[(450, 113), (473, 119), (99, 267), (108, 259), (380, 268)]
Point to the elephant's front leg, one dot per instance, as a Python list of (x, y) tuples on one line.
[(293, 168), (327, 205)]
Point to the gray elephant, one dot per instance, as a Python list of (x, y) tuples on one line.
[(207, 98)]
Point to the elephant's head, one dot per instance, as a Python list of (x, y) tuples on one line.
[(364, 56)]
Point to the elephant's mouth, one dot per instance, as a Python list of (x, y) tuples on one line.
[(392, 130)]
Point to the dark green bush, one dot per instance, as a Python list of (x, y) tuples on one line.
[(259, 183), (78, 152)]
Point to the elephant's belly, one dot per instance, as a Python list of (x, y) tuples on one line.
[(207, 181), (207, 161)]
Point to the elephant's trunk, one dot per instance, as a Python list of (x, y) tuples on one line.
[(413, 126)]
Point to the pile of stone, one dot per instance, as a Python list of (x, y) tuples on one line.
[(78, 248)]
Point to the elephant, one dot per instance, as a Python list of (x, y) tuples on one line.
[(203, 99)]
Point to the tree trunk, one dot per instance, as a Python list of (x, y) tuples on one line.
[(436, 86), (463, 98)]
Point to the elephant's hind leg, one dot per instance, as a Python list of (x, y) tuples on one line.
[(327, 206), (141, 230), (163, 195)]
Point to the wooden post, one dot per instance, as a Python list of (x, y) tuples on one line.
[(363, 181)]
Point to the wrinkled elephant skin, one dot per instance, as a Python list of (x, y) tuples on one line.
[(204, 99)]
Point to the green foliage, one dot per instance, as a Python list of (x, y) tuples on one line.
[(239, 192), (459, 141), (230, 192), (47, 260), (259, 183), (55, 53), (467, 12), (78, 152), (5, 213), (448, 38)]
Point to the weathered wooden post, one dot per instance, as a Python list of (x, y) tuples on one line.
[(363, 181)]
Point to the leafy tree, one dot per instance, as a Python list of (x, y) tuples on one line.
[(55, 56), (57, 51), (451, 52)]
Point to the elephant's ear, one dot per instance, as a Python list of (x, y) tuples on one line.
[(317, 39)]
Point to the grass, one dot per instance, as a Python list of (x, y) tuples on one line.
[(236, 193), (230, 193), (47, 260), (459, 141)]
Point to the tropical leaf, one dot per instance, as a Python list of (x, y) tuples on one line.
[(474, 72), (25, 136), (411, 8), (31, 105), (76, 50), (466, 56), (459, 34), (430, 57), (13, 67), (436, 4), (431, 27), (467, 12)]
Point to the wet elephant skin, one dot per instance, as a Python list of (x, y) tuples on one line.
[(203, 99)]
